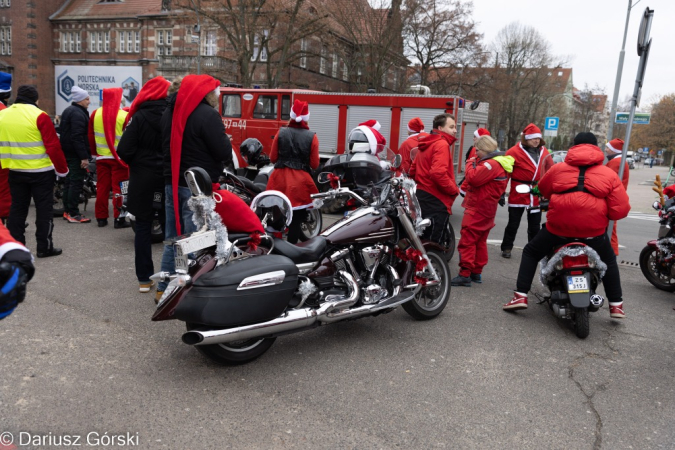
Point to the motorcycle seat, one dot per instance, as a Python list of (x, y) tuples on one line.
[(250, 185), (304, 252)]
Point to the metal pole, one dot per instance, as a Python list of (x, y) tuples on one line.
[(199, 43), (619, 70)]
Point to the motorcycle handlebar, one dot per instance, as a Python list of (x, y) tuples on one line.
[(340, 191)]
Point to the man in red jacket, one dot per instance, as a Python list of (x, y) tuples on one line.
[(578, 216), (614, 150), (415, 133), (531, 161), (433, 171)]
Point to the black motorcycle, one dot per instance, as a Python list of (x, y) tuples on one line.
[(88, 189), (657, 259)]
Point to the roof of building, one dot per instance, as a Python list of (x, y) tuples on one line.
[(98, 9)]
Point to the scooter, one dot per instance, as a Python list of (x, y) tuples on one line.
[(370, 262)]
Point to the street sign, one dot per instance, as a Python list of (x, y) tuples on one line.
[(639, 119), (552, 124), (553, 133), (195, 38)]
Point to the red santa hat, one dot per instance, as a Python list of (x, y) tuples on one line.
[(112, 97), (481, 132), (192, 91), (416, 125), (531, 132), (154, 89), (370, 129), (615, 145), (300, 111)]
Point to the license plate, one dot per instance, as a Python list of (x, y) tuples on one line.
[(124, 187), (191, 244), (577, 285)]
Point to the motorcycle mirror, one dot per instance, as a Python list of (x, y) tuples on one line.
[(397, 161), (523, 189), (322, 178), (199, 181)]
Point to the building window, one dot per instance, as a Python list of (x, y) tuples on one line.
[(70, 42), (210, 43), (64, 42), (164, 39), (322, 61), (303, 53), (106, 39), (5, 3), (99, 41), (78, 42), (123, 41), (257, 47), (345, 72), (5, 40), (335, 65), (137, 41), (129, 41)]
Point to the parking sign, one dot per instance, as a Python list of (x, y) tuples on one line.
[(552, 123)]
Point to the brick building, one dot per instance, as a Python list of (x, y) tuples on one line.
[(26, 45)]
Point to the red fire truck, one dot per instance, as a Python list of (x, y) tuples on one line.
[(259, 113)]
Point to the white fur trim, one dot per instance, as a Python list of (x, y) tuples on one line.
[(8, 247), (377, 126), (475, 134), (299, 118), (416, 132), (609, 146), (532, 136)]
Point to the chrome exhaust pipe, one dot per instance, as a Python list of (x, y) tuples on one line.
[(293, 319)]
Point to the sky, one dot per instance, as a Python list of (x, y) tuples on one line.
[(590, 33)]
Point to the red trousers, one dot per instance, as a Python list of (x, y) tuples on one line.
[(615, 241), (5, 196), (472, 247), (109, 174)]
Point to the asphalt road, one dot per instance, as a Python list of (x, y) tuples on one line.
[(82, 356)]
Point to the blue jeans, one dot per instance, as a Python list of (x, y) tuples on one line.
[(186, 226)]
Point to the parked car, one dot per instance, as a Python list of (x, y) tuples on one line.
[(631, 163), (558, 156)]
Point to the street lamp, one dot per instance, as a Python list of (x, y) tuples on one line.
[(617, 83)]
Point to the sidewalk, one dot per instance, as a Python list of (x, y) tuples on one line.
[(640, 183)]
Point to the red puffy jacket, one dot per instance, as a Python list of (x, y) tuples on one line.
[(405, 149), (485, 183), (580, 214), (432, 169), (525, 170)]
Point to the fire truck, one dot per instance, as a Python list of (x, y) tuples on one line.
[(259, 113)]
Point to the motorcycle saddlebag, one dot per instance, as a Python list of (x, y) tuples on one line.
[(219, 298)]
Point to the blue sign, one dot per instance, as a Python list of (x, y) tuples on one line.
[(552, 123)]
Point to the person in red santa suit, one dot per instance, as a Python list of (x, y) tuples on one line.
[(613, 150), (295, 152), (433, 172), (16, 270), (415, 133), (487, 175), (531, 160), (105, 131), (472, 154)]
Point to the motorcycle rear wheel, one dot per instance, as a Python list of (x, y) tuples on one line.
[(233, 353), (582, 327), (648, 257), (431, 301)]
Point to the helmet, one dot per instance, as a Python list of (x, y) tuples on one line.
[(358, 142), (250, 150), (276, 206)]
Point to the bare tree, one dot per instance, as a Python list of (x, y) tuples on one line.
[(439, 35), (587, 109)]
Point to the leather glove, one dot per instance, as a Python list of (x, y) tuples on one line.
[(502, 200)]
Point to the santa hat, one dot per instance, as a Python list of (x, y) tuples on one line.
[(481, 132), (111, 106), (615, 145), (300, 111), (154, 89), (192, 91), (5, 82), (531, 132), (370, 129), (416, 125)]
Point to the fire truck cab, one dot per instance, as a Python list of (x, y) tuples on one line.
[(259, 113)]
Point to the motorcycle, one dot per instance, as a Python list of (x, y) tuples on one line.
[(572, 273), (253, 179), (158, 213), (370, 262), (657, 259), (88, 189)]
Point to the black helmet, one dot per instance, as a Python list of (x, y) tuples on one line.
[(250, 150), (276, 206), (358, 141)]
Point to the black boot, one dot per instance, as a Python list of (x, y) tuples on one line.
[(121, 223)]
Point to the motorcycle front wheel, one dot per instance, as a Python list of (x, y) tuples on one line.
[(311, 227), (233, 353), (648, 265), (431, 300)]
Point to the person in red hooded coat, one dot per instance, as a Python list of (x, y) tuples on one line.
[(415, 133), (578, 215), (295, 151), (434, 174), (613, 150), (532, 159)]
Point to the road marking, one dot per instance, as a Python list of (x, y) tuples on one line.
[(643, 216)]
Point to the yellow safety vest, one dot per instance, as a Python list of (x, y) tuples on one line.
[(21, 146), (99, 134)]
